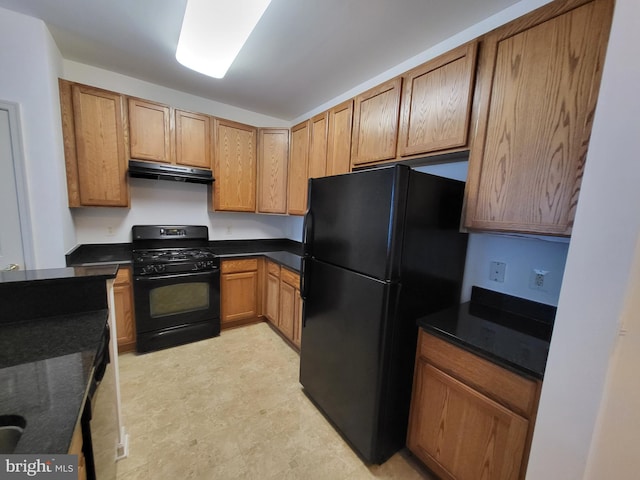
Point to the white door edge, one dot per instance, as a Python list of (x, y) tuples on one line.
[(15, 132)]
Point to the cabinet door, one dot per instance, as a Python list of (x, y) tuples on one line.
[(101, 153), (287, 314), (339, 139), (272, 300), (460, 433), (273, 162), (193, 139), (234, 167), (239, 294), (375, 123), (297, 327), (318, 146), (436, 103), (298, 163), (150, 131), (538, 84), (125, 317)]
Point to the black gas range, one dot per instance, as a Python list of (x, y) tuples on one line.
[(176, 285)]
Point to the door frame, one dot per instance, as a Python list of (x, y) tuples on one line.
[(19, 172)]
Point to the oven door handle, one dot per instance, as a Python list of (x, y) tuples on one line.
[(169, 276)]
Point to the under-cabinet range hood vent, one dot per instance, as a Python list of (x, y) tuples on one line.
[(175, 173)]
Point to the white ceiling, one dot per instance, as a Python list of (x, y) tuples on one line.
[(302, 54)]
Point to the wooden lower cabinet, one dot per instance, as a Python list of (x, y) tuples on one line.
[(125, 316), (238, 291), (470, 419), (75, 448), (272, 292), (297, 326)]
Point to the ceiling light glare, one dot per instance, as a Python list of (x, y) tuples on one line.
[(214, 31)]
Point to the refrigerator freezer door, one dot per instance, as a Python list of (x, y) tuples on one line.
[(354, 220), (342, 362)]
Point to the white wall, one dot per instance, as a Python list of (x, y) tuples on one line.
[(596, 279), (31, 64)]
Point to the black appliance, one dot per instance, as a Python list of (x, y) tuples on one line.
[(176, 285), (176, 173), (382, 248)]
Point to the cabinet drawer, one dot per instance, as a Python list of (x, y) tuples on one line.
[(244, 265), (510, 389), (291, 278), (123, 277), (273, 269)]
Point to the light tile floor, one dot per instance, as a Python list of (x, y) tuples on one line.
[(232, 407)]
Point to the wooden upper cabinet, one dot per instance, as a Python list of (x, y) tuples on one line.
[(160, 133), (150, 131), (298, 165), (234, 167), (436, 103), (95, 144), (193, 139), (538, 82), (318, 146), (375, 123), (339, 139), (273, 162)]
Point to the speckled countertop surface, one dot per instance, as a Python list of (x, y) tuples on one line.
[(45, 368)]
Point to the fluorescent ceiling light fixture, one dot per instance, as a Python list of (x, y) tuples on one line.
[(214, 31)]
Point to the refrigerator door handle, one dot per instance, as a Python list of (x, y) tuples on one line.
[(304, 277), (307, 233)]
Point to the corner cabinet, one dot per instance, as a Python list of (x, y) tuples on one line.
[(469, 418), (234, 167), (538, 81), (95, 145), (436, 103), (283, 304), (273, 163), (298, 168)]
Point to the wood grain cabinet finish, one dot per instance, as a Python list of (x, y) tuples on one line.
[(375, 123), (538, 80), (318, 146), (125, 317), (339, 139), (469, 418), (288, 314), (95, 145), (272, 293), (273, 163), (193, 139), (160, 133), (238, 291), (75, 448), (234, 167), (298, 168), (436, 103)]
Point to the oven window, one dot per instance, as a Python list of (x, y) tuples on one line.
[(178, 298)]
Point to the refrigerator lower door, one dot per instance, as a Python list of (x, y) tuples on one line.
[(342, 362)]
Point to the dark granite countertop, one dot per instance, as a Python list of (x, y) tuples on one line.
[(79, 273), (45, 368), (509, 331), (283, 251)]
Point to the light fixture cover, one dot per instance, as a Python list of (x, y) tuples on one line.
[(214, 31)]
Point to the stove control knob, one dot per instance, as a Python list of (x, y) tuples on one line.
[(160, 268)]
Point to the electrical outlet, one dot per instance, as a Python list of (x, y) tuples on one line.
[(538, 279), (110, 231), (497, 271), (229, 230)]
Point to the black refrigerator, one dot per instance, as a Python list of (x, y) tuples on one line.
[(382, 248)]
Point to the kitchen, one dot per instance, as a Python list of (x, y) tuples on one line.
[(582, 304)]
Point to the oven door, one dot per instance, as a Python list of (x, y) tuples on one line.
[(174, 300)]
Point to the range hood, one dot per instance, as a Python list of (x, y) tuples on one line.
[(176, 173)]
